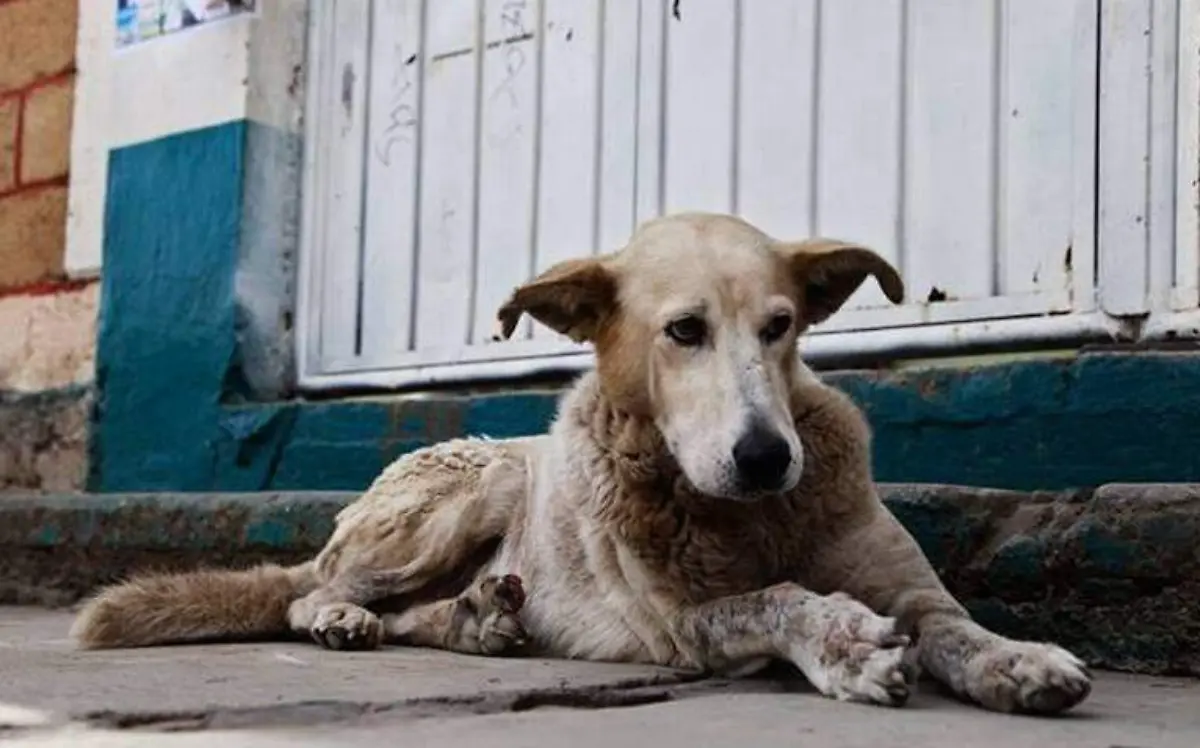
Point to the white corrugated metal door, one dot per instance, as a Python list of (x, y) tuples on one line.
[(1000, 153)]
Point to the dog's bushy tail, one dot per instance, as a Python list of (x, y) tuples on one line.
[(197, 606)]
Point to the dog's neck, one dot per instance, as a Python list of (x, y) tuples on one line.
[(630, 442)]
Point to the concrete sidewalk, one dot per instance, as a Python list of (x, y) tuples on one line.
[(296, 694)]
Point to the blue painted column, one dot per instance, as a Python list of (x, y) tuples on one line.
[(167, 311)]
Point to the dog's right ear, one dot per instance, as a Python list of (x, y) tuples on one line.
[(572, 298), (829, 271)]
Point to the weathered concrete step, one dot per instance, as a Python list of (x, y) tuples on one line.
[(1114, 572)]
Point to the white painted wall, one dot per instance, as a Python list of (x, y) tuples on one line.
[(183, 81)]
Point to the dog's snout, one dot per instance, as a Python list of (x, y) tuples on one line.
[(762, 458)]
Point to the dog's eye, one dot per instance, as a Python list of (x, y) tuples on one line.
[(689, 331), (776, 328)]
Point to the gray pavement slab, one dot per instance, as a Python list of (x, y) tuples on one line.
[(296, 694), (41, 669)]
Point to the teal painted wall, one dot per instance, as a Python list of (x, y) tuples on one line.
[(166, 330), (1095, 419), (170, 365)]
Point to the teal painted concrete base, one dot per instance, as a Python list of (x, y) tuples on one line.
[(167, 312), (1045, 425), (1052, 424), (171, 362)]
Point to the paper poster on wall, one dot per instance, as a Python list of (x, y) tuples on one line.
[(142, 20)]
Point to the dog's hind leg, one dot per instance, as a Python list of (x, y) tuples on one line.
[(422, 531), (334, 617), (458, 612), (482, 620), (429, 514)]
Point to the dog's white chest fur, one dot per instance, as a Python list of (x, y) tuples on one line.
[(598, 601)]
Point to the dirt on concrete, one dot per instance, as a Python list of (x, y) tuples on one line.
[(43, 440)]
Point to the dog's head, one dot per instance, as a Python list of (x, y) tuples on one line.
[(694, 324)]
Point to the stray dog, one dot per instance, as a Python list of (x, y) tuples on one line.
[(701, 501)]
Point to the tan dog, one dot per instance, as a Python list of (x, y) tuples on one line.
[(701, 501)]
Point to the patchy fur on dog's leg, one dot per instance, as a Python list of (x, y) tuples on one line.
[(846, 651), (483, 620), (428, 515), (998, 673)]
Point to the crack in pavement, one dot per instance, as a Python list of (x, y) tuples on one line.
[(631, 692)]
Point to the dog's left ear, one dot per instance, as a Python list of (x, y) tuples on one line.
[(573, 298), (829, 271)]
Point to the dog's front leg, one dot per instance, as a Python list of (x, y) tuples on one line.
[(881, 565), (846, 651)]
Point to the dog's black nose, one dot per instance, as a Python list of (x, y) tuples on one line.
[(762, 458)]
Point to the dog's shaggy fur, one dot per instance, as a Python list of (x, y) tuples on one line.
[(701, 501)]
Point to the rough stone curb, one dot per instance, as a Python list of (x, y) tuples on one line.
[(1113, 573), (55, 549)]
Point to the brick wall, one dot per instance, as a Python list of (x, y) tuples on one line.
[(37, 76), (47, 321)]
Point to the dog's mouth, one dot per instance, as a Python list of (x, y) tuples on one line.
[(750, 497), (739, 494), (755, 494)]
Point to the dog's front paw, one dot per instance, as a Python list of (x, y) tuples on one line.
[(347, 627), (1028, 677), (856, 654)]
